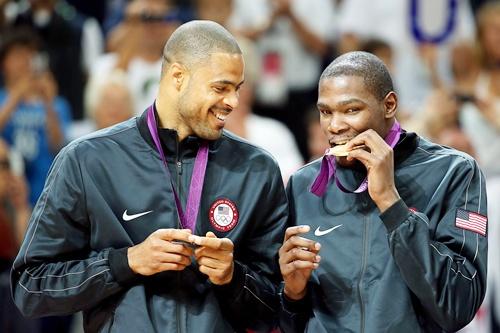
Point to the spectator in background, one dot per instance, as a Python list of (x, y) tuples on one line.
[(108, 101), (71, 41), (4, 19), (33, 118), (381, 49), (419, 33), (465, 68), (264, 132), (317, 142), (293, 37), (480, 116), (15, 211), (219, 11), (136, 46), (384, 51)]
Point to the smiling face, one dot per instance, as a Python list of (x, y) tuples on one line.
[(347, 108), (210, 95)]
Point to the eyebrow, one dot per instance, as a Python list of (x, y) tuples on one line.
[(341, 103), (230, 83)]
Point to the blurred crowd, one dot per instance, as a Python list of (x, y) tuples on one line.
[(70, 67)]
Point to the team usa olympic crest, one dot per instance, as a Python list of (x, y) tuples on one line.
[(223, 215)]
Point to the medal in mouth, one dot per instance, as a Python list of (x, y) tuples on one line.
[(341, 150)]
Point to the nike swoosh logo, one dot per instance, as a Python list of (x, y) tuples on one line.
[(127, 217), (318, 232)]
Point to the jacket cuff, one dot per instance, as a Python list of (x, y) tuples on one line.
[(233, 288), (395, 215), (120, 269), (292, 306)]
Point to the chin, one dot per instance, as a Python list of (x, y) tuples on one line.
[(210, 135)]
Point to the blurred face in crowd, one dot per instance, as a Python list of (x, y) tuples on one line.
[(113, 107), (385, 54), (149, 17), (210, 94), (214, 10), (455, 138), (18, 62), (347, 108), (490, 35), (463, 58)]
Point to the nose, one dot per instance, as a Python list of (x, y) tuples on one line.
[(232, 99), (337, 124)]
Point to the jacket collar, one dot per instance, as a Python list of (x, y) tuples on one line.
[(169, 140), (405, 147)]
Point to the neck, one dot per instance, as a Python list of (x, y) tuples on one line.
[(389, 126), (169, 118)]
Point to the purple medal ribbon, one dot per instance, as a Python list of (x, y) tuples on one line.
[(328, 167), (188, 219)]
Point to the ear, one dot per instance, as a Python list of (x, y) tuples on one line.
[(390, 104), (178, 75)]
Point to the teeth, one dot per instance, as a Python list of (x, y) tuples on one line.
[(221, 116)]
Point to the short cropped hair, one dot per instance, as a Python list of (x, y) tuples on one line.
[(195, 41), (365, 65), (18, 36)]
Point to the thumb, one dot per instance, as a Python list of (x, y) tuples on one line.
[(210, 235)]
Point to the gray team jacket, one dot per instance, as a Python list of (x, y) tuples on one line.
[(411, 269), (94, 207)]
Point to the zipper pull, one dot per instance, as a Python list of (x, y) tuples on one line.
[(179, 167)]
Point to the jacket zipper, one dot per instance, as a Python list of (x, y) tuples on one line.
[(363, 270), (178, 164)]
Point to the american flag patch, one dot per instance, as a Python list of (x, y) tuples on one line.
[(471, 221)]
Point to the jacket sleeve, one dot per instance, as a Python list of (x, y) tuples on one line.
[(56, 271), (443, 264), (251, 299)]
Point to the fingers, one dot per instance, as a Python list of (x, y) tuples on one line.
[(293, 266), (298, 253), (156, 255), (202, 252), (161, 267), (211, 241), (369, 138), (220, 249), (217, 276), (214, 263), (172, 258), (173, 234), (300, 229), (379, 150), (363, 156), (214, 257), (298, 259), (292, 240), (158, 245)]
